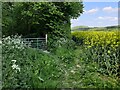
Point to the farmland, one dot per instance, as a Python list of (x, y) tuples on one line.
[(103, 47), (90, 60), (83, 57)]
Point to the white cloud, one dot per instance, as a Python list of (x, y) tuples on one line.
[(110, 9), (100, 18), (108, 18), (91, 11)]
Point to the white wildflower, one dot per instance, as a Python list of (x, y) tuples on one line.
[(72, 71), (7, 38), (0, 42), (78, 66), (46, 51), (14, 66), (13, 60)]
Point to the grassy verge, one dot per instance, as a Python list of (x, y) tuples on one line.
[(24, 67)]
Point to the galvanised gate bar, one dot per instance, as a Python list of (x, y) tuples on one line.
[(38, 43)]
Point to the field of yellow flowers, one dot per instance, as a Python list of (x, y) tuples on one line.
[(98, 38), (102, 47), (92, 63)]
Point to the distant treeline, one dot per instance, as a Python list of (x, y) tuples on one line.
[(85, 28)]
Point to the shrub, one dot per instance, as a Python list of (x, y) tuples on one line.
[(14, 62), (24, 67)]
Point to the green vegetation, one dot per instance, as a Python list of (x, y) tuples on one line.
[(77, 27), (86, 28), (35, 19), (103, 48), (89, 60), (67, 67)]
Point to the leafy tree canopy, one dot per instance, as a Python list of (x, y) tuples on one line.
[(39, 17)]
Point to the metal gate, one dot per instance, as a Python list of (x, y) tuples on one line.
[(38, 43)]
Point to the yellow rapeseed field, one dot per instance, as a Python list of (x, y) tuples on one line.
[(98, 38), (102, 47)]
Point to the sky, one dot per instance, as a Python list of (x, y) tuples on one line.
[(101, 0), (97, 14)]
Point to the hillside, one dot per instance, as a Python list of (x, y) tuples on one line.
[(86, 28), (80, 28)]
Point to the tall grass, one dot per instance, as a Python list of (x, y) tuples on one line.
[(25, 67)]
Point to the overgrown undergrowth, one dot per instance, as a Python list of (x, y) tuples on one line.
[(67, 67)]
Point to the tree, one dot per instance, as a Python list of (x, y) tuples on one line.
[(7, 17), (34, 19)]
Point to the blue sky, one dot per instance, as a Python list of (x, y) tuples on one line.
[(101, 0), (98, 14)]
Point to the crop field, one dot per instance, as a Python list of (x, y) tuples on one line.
[(43, 45), (90, 60), (98, 38), (103, 47)]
